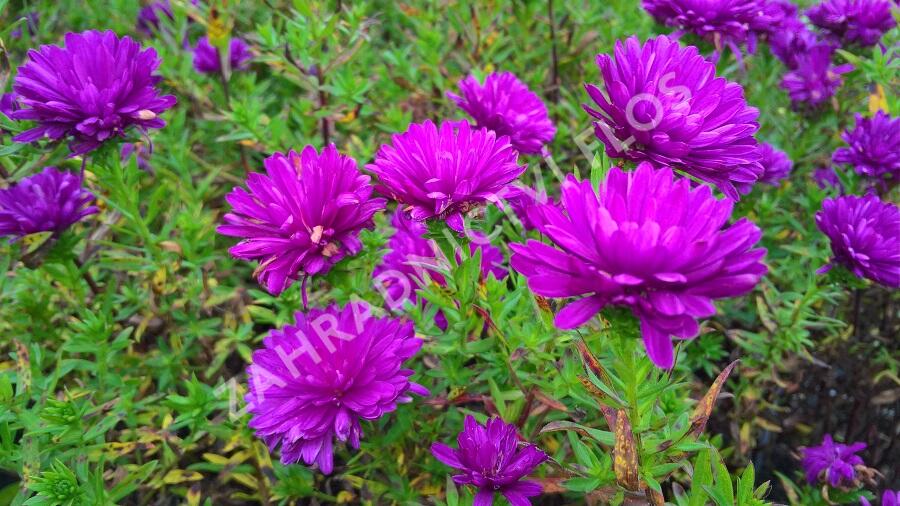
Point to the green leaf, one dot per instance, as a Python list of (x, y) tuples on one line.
[(452, 493), (702, 478)]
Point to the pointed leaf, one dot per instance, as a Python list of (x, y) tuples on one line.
[(705, 406)]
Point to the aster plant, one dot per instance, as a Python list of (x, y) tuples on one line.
[(789, 39), (301, 217), (411, 256), (505, 105), (50, 201), (314, 381), (776, 164), (663, 103), (490, 458), (860, 22), (865, 237), (92, 90), (888, 498), (150, 16), (873, 147), (207, 59), (720, 22), (442, 172), (814, 80), (648, 242), (831, 462)]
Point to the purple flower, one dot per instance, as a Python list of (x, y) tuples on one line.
[(31, 23), (8, 104), (832, 461), (720, 22), (888, 498), (50, 201), (490, 458), (861, 22), (303, 217), (315, 380), (865, 237), (664, 103), (149, 17), (207, 61), (873, 147), (141, 152), (412, 255), (790, 39), (815, 79), (772, 14), (92, 90), (776, 164), (443, 172), (648, 242), (505, 105), (524, 200), (826, 177)]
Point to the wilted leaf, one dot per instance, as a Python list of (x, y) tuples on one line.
[(625, 460), (705, 406)]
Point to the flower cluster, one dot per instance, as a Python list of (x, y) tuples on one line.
[(505, 105), (314, 381), (664, 103), (865, 237), (302, 217), (490, 458), (646, 241), (95, 88), (860, 22), (722, 22), (50, 201)]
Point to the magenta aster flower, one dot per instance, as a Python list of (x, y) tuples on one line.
[(149, 17), (505, 105), (315, 380), (442, 172), (826, 177), (719, 22), (301, 218), (776, 164), (664, 103), (524, 200), (865, 237), (861, 22), (815, 79), (50, 201), (888, 498), (833, 462), (92, 90), (790, 39), (873, 146), (140, 151), (412, 255), (648, 242), (490, 458), (8, 104), (31, 24), (206, 56)]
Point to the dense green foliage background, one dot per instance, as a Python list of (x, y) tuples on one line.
[(133, 392)]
